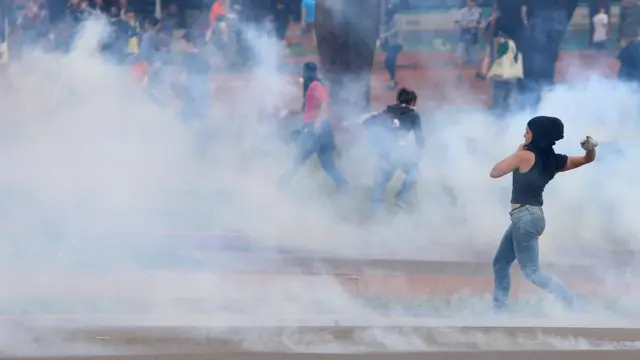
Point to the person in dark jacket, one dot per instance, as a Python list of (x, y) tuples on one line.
[(388, 131), (629, 57)]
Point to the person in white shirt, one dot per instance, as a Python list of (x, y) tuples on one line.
[(600, 30)]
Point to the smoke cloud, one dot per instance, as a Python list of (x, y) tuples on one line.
[(104, 191)]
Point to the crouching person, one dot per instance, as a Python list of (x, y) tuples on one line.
[(389, 131), (506, 70)]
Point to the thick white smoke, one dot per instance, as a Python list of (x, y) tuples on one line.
[(93, 171)]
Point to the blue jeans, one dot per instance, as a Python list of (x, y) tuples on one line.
[(320, 143), (391, 60), (520, 242), (386, 169), (467, 52)]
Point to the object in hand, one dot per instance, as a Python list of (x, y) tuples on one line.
[(589, 143)]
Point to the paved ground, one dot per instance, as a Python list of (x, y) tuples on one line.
[(465, 355), (320, 343), (435, 77)]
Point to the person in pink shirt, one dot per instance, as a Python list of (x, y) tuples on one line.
[(316, 136)]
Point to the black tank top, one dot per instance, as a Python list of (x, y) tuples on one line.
[(528, 186)]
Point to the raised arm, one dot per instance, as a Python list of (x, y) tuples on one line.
[(510, 163), (573, 162)]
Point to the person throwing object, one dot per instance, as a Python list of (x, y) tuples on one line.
[(533, 165)]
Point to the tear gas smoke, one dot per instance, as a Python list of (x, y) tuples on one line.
[(93, 171)]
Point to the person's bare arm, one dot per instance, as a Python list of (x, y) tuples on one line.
[(574, 162), (508, 164), (458, 20), (523, 14)]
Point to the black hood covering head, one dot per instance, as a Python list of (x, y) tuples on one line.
[(546, 131)]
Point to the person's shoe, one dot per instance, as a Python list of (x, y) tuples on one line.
[(578, 302), (393, 85), (500, 309), (402, 205)]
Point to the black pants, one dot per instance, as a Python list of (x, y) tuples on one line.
[(503, 93)]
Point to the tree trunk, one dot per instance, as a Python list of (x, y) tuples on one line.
[(346, 31)]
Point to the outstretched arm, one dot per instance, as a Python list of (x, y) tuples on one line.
[(573, 162)]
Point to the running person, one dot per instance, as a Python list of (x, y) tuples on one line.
[(533, 165), (388, 131), (316, 136)]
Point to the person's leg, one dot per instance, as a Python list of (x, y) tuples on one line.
[(390, 63), (502, 96), (384, 174), (306, 145), (326, 155), (528, 224), (460, 58), (497, 96), (328, 162), (472, 55), (502, 261), (510, 95), (410, 179)]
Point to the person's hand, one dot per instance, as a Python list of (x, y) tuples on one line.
[(588, 143)]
